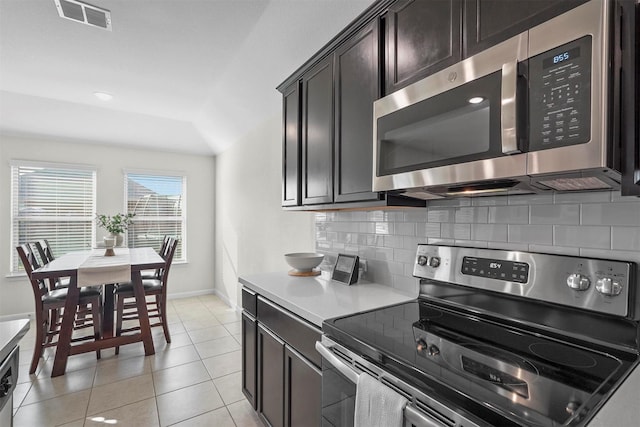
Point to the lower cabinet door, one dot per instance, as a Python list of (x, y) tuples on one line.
[(270, 377), (249, 358), (302, 392)]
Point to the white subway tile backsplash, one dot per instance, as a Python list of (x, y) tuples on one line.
[(490, 201), (596, 224), (540, 234), (560, 250), (472, 243), (428, 229), (404, 255), (441, 215), (494, 232), (508, 214), (582, 236), (509, 246), (472, 215), (625, 238), (555, 214), (449, 202), (456, 231), (611, 214), (590, 197), (406, 228), (530, 199), (393, 242), (384, 254)]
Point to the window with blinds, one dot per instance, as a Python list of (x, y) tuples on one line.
[(158, 202), (53, 202)]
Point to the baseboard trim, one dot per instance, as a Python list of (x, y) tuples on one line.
[(226, 299), (190, 294)]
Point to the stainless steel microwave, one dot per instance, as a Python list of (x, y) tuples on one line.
[(531, 114)]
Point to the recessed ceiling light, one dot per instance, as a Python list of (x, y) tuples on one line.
[(476, 100), (103, 96)]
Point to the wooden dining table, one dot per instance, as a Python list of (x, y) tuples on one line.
[(68, 265)]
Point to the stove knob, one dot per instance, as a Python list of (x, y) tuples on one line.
[(608, 286), (578, 282), (434, 262), (422, 260), (433, 350), (421, 345)]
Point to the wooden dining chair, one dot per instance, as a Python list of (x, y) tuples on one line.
[(49, 302), (46, 255), (157, 308), (156, 274)]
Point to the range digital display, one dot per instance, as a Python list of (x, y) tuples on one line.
[(510, 271), (499, 378)]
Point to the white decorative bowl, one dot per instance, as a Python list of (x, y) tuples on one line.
[(303, 261)]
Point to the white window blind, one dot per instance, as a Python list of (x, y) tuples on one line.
[(158, 202), (51, 202)]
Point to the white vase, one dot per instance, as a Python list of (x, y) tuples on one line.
[(119, 239)]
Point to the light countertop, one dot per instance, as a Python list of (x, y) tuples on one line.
[(11, 332), (316, 299)]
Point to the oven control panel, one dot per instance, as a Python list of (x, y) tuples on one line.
[(590, 284)]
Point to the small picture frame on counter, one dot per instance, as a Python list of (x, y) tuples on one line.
[(346, 269)]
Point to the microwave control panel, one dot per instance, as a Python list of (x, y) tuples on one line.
[(560, 96)]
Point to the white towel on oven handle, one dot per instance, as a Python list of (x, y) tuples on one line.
[(377, 404)]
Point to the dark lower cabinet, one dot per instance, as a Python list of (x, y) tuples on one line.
[(302, 390), (270, 378), (281, 375), (249, 358)]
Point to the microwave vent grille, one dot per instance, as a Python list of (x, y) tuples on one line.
[(576, 184)]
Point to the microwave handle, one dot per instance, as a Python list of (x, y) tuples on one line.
[(508, 108)]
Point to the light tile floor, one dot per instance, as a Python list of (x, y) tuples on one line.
[(194, 381)]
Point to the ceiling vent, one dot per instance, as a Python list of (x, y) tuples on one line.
[(84, 13)]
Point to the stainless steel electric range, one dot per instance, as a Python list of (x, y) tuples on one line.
[(498, 338)]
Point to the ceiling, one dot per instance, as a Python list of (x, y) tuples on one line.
[(188, 76)]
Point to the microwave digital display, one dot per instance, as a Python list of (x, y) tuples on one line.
[(565, 56)]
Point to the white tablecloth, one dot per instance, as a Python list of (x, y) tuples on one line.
[(98, 269)]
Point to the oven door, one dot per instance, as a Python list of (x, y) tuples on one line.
[(458, 125), (340, 371)]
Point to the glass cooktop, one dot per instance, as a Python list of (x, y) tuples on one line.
[(522, 373)]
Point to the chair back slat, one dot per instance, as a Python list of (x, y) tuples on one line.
[(30, 264), (172, 244), (44, 249)]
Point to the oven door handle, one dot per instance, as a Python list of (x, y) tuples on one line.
[(411, 414), (337, 363)]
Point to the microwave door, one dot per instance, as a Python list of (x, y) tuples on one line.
[(456, 126)]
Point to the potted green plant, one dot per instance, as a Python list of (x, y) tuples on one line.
[(116, 224)]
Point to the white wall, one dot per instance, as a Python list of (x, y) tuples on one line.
[(252, 231), (196, 276)]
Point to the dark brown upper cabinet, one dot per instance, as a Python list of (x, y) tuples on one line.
[(357, 86), (291, 144), (422, 37), (317, 133), (489, 22)]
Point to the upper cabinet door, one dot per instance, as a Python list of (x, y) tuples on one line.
[(422, 37), (291, 143), (317, 133), (489, 22), (357, 86)]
